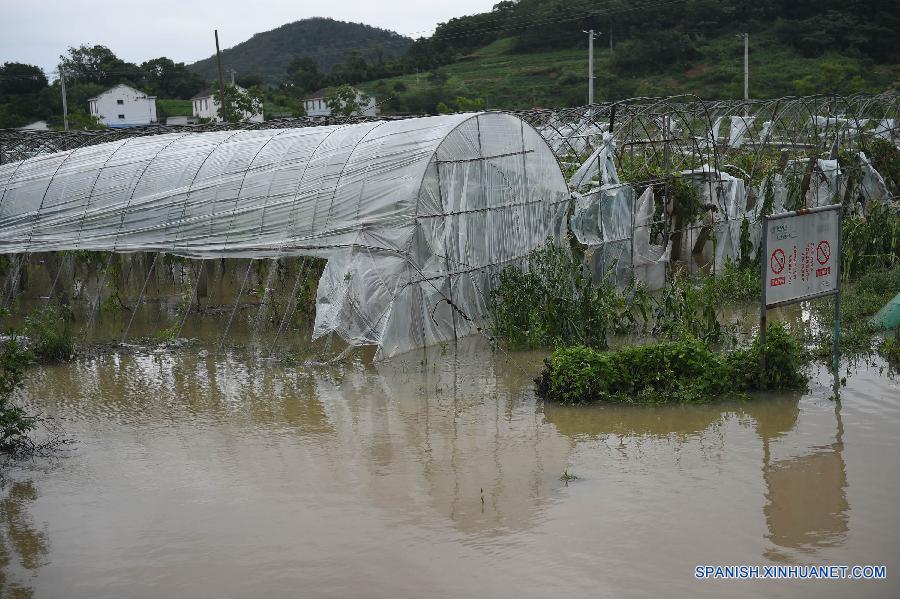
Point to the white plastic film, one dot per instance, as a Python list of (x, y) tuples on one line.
[(414, 216)]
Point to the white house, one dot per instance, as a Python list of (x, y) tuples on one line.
[(206, 107), (124, 106), (315, 104)]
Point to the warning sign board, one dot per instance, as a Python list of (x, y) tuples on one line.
[(803, 254)]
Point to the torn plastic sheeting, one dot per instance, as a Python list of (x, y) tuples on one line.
[(603, 215), (826, 186), (603, 220), (414, 216), (617, 232), (729, 196), (648, 259), (600, 164), (887, 129), (872, 186), (737, 129)]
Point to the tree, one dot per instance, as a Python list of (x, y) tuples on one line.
[(23, 96), (167, 79), (17, 78), (248, 81), (239, 105), (343, 101), (98, 64), (304, 75), (353, 69)]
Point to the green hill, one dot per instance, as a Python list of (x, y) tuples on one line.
[(527, 53), (509, 79), (326, 41)]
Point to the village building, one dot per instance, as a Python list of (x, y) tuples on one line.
[(205, 106), (315, 104), (124, 106)]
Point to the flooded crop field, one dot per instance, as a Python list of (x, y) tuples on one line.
[(282, 353), (438, 473)]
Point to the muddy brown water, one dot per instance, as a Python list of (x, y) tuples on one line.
[(206, 474)]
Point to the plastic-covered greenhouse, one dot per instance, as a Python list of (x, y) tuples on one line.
[(414, 216)]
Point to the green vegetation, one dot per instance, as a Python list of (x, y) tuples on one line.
[(237, 105), (890, 349), (554, 301), (671, 371), (168, 107), (870, 242), (327, 41), (15, 423), (554, 304), (343, 101), (26, 96), (49, 333), (510, 79), (527, 53), (860, 299)]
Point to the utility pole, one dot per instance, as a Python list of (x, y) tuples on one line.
[(222, 108), (746, 67), (590, 66), (62, 89), (233, 73)]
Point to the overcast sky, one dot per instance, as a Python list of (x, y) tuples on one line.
[(38, 31)]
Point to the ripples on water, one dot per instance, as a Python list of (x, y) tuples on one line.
[(437, 474)]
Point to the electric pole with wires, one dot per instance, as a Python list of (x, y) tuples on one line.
[(590, 33)]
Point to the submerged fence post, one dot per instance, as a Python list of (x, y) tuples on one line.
[(764, 251), (836, 334)]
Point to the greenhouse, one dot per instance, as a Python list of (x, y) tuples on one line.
[(413, 216)]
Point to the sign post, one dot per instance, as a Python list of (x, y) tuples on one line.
[(800, 261)]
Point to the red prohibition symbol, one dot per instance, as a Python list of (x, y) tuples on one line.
[(823, 252), (777, 261)]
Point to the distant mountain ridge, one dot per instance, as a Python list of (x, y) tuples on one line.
[(326, 41)]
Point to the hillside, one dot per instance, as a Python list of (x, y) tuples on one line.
[(326, 41), (506, 78)]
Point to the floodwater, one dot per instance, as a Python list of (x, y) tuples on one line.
[(437, 474)]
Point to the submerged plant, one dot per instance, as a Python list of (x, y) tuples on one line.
[(15, 423), (871, 241), (49, 332), (890, 348), (671, 371), (554, 301), (860, 299)]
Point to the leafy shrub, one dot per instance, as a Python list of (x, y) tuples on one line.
[(890, 348), (860, 299), (50, 333), (870, 242), (554, 301), (15, 424), (672, 371), (683, 310)]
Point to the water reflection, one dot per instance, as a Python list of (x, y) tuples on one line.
[(806, 496), (443, 431), (23, 548), (436, 470), (806, 505)]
